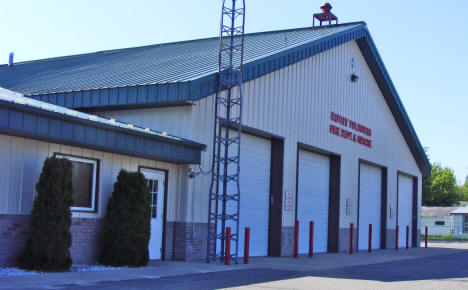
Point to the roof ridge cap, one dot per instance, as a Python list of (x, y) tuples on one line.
[(182, 42)]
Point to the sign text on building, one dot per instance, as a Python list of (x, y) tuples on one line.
[(355, 130), (288, 200)]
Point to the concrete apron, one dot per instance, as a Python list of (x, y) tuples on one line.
[(159, 269)]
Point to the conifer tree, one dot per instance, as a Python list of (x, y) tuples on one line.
[(126, 229), (47, 247)]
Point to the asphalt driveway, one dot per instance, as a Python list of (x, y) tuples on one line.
[(442, 266)]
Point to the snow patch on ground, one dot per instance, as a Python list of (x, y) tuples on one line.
[(11, 271), (86, 268), (4, 272)]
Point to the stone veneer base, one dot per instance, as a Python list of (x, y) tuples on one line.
[(188, 241), (343, 239), (391, 238), (287, 241), (14, 232), (184, 241)]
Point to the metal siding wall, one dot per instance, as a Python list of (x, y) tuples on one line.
[(299, 109), (24, 159), (5, 145), (193, 122), (295, 102)]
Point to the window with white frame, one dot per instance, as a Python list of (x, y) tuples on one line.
[(84, 179)]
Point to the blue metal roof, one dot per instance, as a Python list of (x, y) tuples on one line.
[(25, 117), (156, 64), (174, 73)]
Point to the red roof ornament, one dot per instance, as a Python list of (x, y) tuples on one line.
[(326, 15)]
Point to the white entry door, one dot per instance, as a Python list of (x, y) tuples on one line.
[(405, 209), (156, 182), (254, 194), (313, 198), (370, 195)]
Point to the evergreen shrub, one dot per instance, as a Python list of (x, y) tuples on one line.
[(47, 246), (126, 231)]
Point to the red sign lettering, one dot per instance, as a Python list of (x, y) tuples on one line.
[(345, 134)]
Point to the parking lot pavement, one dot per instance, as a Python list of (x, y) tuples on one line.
[(446, 271), (441, 265), (323, 261)]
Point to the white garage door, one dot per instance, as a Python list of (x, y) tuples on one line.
[(405, 208), (312, 201), (255, 192), (370, 184)]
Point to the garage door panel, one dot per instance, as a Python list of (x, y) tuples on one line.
[(405, 208), (255, 191), (313, 199), (370, 194)]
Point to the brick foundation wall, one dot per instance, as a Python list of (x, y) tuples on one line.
[(13, 235), (14, 232), (343, 239), (287, 241), (86, 235), (169, 241), (184, 241), (189, 241), (391, 236)]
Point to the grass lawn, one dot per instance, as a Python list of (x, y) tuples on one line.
[(446, 237)]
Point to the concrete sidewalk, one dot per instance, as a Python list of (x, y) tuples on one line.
[(159, 269)]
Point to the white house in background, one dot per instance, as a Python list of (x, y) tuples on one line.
[(437, 219), (460, 222)]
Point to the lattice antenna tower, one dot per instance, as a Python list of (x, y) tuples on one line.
[(224, 196)]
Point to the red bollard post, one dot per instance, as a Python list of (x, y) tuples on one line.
[(311, 239), (425, 239), (246, 245), (351, 238), (396, 237), (370, 239), (296, 239), (227, 255), (407, 237)]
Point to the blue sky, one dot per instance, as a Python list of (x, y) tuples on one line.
[(425, 54)]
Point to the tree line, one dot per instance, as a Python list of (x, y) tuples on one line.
[(441, 189)]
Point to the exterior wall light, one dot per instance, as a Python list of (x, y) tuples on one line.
[(354, 78)]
